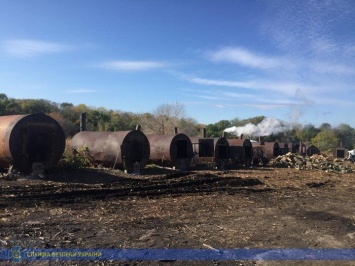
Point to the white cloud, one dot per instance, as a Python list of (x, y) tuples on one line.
[(284, 87), (30, 48), (242, 56), (132, 65), (223, 83)]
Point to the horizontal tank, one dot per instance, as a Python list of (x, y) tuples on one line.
[(302, 149), (293, 147), (269, 150), (340, 152), (128, 150), (259, 156), (29, 140), (211, 150), (241, 151), (283, 148), (312, 150), (171, 150)]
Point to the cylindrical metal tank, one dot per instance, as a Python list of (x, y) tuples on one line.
[(241, 151), (271, 149), (171, 150), (259, 156), (283, 148), (302, 149), (293, 147), (26, 140), (211, 150), (340, 152), (127, 150), (312, 150)]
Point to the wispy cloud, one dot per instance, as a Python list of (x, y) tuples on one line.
[(132, 65), (244, 57), (31, 48), (223, 83), (284, 87), (306, 26)]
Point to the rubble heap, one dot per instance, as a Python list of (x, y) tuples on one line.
[(319, 162)]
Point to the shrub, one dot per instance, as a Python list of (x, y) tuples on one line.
[(74, 159)]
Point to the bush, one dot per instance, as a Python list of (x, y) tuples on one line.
[(74, 159)]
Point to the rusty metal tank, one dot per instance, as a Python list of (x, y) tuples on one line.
[(211, 150), (30, 139), (283, 148), (241, 151), (269, 149), (293, 147), (128, 150), (340, 152), (171, 150), (302, 149), (259, 157), (312, 150)]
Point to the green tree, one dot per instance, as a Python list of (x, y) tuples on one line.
[(346, 135), (217, 129), (33, 106), (325, 126), (307, 133), (3, 96), (325, 140)]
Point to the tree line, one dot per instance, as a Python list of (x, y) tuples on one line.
[(166, 117)]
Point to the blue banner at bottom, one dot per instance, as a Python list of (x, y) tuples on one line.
[(17, 254)]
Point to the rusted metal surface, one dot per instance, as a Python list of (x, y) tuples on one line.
[(123, 149), (30, 139), (259, 156), (211, 150), (241, 151), (302, 149), (312, 150), (269, 149), (293, 147), (171, 150)]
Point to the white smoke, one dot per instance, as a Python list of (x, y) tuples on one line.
[(265, 128)]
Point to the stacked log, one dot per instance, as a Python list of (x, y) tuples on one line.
[(316, 161)]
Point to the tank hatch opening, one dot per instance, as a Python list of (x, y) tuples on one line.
[(181, 149), (222, 152), (136, 151), (248, 151), (206, 148), (39, 139)]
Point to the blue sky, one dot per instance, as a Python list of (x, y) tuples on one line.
[(290, 60)]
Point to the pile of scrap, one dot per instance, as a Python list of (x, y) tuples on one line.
[(316, 161)]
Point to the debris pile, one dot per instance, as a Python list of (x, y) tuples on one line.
[(319, 162)]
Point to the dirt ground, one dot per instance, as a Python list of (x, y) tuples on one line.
[(237, 208)]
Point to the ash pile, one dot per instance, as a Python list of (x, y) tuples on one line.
[(317, 162)]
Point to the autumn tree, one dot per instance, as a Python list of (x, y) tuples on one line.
[(165, 118), (325, 140), (306, 133)]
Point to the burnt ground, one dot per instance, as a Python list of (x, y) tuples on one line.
[(236, 208)]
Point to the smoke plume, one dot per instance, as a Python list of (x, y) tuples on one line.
[(266, 127)]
